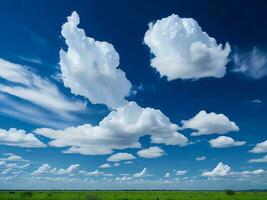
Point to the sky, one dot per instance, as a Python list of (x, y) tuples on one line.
[(133, 94)]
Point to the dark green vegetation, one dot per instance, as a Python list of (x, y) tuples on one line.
[(131, 195)]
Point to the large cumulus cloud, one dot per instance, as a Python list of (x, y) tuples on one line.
[(182, 50), (121, 129), (90, 68)]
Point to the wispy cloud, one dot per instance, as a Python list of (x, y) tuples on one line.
[(252, 64), (23, 90)]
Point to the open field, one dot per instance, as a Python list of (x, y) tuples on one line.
[(130, 195)]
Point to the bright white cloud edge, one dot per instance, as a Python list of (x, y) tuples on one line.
[(209, 123), (90, 68), (182, 50)]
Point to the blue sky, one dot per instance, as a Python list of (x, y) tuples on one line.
[(133, 95)]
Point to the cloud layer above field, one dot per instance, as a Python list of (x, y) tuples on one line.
[(90, 113)]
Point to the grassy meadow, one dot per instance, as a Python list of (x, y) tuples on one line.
[(129, 195)]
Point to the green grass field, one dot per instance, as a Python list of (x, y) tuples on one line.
[(130, 195)]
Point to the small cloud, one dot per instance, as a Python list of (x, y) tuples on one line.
[(225, 142), (151, 152), (15, 158), (247, 172), (181, 172), (219, 170), (167, 175), (260, 147), (209, 123), (252, 64), (105, 166), (124, 178), (259, 160), (128, 162), (120, 156), (46, 169), (256, 101), (200, 158), (95, 173), (34, 60), (116, 164), (141, 174), (136, 89)]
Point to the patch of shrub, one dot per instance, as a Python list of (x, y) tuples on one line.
[(229, 192), (26, 194), (49, 195), (92, 197)]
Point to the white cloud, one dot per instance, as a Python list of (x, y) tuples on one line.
[(225, 142), (151, 152), (47, 169), (167, 175), (252, 64), (120, 156), (259, 160), (260, 147), (15, 158), (124, 178), (34, 60), (200, 158), (209, 123), (70, 170), (247, 172), (121, 129), (219, 170), (181, 172), (19, 138), (116, 164), (256, 101), (128, 162), (105, 166), (255, 172), (183, 50), (44, 169), (13, 162), (29, 86), (27, 112), (143, 173), (90, 68), (95, 173), (222, 170), (24, 166)]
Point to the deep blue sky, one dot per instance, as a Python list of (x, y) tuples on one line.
[(31, 30)]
